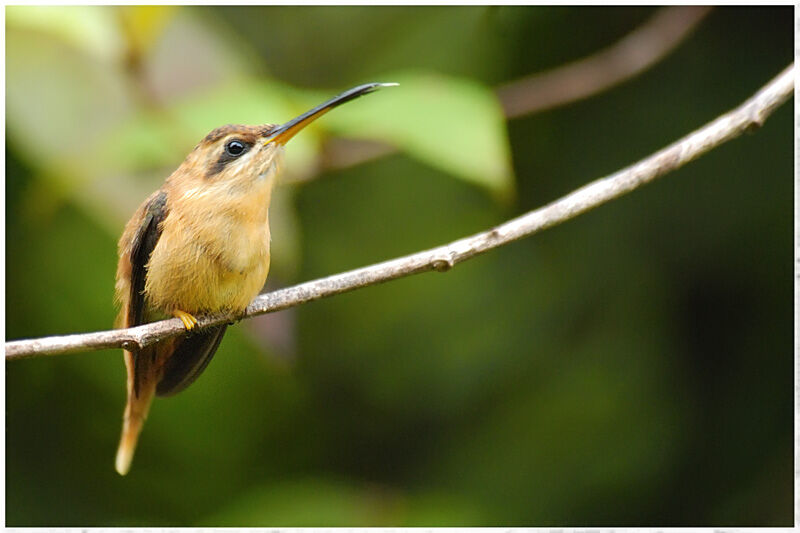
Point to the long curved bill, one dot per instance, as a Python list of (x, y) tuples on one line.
[(284, 132)]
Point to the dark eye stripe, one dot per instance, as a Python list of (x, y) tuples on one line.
[(228, 155)]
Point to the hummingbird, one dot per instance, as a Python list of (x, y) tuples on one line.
[(199, 244)]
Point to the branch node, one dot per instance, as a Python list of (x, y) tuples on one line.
[(756, 121), (131, 346), (443, 264), (756, 118)]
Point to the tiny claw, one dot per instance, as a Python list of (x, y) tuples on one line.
[(188, 320)]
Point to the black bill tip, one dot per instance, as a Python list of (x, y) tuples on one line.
[(283, 133)]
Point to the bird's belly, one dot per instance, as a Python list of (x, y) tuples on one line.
[(199, 275), (237, 288)]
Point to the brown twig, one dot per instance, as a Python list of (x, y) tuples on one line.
[(634, 53), (749, 115)]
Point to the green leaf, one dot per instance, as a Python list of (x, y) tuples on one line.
[(59, 94), (453, 124), (89, 28)]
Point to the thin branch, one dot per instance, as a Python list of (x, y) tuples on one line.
[(631, 55), (634, 53), (747, 117)]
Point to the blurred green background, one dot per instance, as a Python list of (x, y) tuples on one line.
[(630, 367)]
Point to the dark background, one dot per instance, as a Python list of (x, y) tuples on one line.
[(632, 366)]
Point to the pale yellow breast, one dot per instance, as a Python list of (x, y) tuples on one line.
[(212, 255)]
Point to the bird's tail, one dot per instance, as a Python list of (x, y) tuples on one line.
[(140, 396)]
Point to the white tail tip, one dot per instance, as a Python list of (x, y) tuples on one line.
[(124, 458)]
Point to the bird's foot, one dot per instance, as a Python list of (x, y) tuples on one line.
[(188, 320)]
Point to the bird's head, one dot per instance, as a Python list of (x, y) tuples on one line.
[(238, 158)]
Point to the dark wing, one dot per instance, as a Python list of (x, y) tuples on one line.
[(191, 356), (143, 244)]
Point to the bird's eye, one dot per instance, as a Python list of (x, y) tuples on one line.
[(235, 148)]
